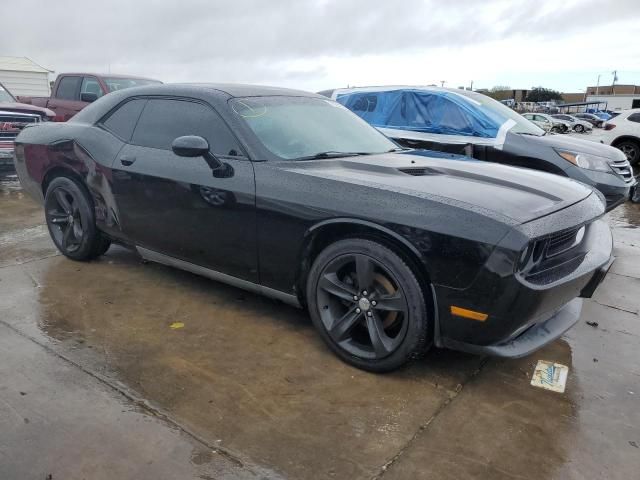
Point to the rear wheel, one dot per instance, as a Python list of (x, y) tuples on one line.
[(579, 128), (71, 220), (368, 305), (631, 149)]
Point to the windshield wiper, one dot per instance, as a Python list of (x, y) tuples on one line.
[(331, 154)]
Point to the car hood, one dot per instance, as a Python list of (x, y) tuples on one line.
[(578, 145), (515, 195), (25, 108)]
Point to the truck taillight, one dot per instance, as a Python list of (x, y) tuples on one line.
[(609, 126)]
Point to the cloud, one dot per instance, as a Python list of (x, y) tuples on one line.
[(316, 44)]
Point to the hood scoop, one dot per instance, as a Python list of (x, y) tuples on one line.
[(420, 171)]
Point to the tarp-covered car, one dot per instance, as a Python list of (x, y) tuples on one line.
[(465, 122)]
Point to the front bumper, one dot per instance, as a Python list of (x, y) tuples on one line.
[(614, 188), (542, 330), (6, 155), (534, 338), (524, 311)]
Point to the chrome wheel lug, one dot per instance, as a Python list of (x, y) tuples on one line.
[(374, 303), (369, 314), (355, 297), (358, 310), (364, 293)]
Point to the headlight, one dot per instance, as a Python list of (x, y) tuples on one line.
[(586, 160)]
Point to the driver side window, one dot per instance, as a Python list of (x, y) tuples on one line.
[(91, 85), (164, 120)]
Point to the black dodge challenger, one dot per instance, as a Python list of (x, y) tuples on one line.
[(291, 195)]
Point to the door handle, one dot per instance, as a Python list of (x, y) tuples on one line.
[(127, 161)]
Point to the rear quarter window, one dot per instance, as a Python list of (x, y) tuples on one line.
[(122, 121), (634, 117)]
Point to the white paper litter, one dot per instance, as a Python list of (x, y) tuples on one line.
[(550, 376)]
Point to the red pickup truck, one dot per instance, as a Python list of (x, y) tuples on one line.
[(74, 91)]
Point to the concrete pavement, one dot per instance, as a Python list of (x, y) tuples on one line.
[(246, 389)]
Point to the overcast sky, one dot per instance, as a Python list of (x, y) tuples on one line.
[(319, 44)]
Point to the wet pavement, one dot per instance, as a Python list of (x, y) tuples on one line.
[(97, 382)]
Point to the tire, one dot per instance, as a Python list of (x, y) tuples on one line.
[(71, 221), (378, 330), (579, 128), (631, 149), (556, 130)]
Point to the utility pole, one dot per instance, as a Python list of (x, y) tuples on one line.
[(613, 84), (442, 82), (598, 85), (471, 88)]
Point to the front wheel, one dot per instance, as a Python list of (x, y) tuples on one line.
[(368, 305), (631, 149), (71, 220), (579, 128)]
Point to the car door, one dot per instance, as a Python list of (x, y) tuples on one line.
[(177, 206), (90, 85), (65, 101)]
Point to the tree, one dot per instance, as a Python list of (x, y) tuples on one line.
[(500, 92), (540, 94)]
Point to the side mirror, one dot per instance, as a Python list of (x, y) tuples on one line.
[(195, 146), (190, 146), (88, 97)]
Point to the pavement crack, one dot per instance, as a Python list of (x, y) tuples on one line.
[(16, 264), (135, 400), (452, 396), (633, 312)]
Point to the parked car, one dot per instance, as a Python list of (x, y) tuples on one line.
[(390, 251), (577, 125), (591, 118), (600, 114), (469, 123), (548, 123), (74, 91), (13, 117), (623, 132)]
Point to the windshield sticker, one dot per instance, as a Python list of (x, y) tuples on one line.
[(247, 110)]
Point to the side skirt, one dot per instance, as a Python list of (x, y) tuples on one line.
[(152, 256)]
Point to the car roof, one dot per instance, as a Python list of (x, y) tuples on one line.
[(212, 91), (246, 90), (105, 75)]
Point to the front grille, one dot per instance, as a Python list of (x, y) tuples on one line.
[(623, 168), (12, 123), (558, 272), (560, 242), (554, 256)]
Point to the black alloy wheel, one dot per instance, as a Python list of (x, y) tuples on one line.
[(579, 128), (368, 305), (71, 221), (631, 149)]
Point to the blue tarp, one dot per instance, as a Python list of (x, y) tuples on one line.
[(427, 111)]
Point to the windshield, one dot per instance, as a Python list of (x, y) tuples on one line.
[(522, 125), (115, 84), (297, 127), (5, 96)]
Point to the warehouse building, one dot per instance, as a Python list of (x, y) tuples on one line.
[(22, 76)]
